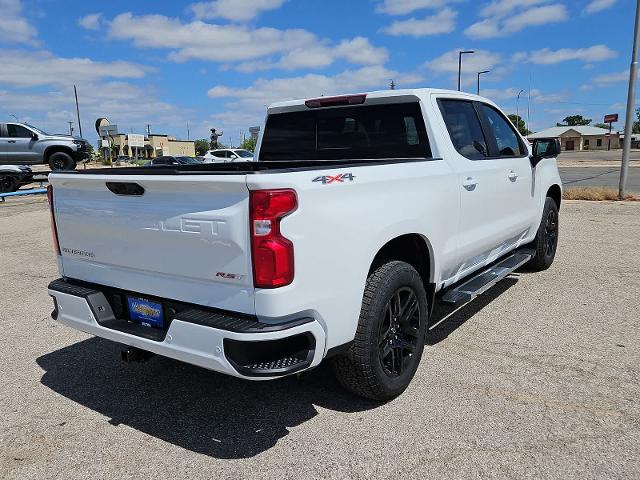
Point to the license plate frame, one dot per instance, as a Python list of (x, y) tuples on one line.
[(145, 312)]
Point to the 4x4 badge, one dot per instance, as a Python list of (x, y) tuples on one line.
[(340, 178)]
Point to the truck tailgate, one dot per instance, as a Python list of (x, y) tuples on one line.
[(185, 238)]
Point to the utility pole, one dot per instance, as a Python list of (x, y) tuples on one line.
[(188, 134), (518, 110), (70, 127), (77, 110), (481, 73), (628, 127), (392, 86), (460, 53), (148, 130)]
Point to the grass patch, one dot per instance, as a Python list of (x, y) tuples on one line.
[(596, 194)]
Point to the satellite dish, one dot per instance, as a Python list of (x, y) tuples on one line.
[(101, 122)]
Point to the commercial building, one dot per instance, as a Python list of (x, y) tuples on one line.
[(580, 137), (155, 145)]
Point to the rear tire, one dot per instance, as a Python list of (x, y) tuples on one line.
[(8, 183), (61, 161), (389, 341), (546, 241)]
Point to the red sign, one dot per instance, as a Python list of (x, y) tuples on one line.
[(613, 118)]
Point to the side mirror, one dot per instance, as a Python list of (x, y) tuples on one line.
[(34, 136), (544, 148)]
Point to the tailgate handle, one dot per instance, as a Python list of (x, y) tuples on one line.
[(126, 188)]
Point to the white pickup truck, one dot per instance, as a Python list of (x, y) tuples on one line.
[(359, 214)]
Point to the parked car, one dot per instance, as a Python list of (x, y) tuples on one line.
[(24, 144), (12, 177), (174, 160), (360, 214), (226, 155)]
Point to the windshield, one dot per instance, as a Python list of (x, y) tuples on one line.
[(244, 153), (363, 132), (37, 130), (187, 161)]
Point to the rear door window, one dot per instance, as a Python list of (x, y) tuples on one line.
[(341, 133), (464, 128)]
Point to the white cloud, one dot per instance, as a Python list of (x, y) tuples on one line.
[(480, 60), (234, 10), (596, 53), (403, 7), (13, 27), (609, 78), (500, 25), (118, 101), (357, 51), (504, 94), (442, 22), (536, 16), (264, 92), (502, 8), (598, 5), (252, 49), (91, 21), (28, 69), (204, 41)]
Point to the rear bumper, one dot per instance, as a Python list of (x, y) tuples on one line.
[(240, 346)]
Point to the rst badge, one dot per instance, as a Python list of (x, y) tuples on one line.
[(339, 178)]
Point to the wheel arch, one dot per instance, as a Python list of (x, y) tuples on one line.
[(414, 249), (555, 192), (54, 149)]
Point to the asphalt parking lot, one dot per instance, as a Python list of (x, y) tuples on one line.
[(540, 378)]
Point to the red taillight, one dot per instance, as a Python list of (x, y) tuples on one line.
[(271, 252), (54, 230), (336, 101)]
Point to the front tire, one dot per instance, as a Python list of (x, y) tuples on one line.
[(390, 337), (61, 161), (546, 242)]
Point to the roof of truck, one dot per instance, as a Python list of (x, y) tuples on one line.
[(381, 94)]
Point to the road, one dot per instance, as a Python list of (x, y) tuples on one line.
[(539, 378), (599, 177)]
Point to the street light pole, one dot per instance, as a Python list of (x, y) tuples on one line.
[(481, 73), (518, 110), (460, 53), (628, 128)]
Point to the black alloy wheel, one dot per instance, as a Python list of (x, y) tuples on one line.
[(399, 332)]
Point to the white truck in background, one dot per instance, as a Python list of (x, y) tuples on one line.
[(361, 212)]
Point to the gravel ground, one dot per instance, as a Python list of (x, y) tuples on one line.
[(540, 378)]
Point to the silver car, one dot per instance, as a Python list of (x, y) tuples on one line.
[(24, 144)]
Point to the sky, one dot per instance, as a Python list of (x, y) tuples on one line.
[(220, 63)]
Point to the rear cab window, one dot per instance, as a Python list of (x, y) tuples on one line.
[(386, 131)]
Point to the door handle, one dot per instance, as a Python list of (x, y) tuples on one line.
[(513, 176), (11, 141), (470, 184)]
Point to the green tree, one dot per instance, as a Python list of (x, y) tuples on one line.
[(602, 125), (574, 121), (249, 144), (518, 122), (636, 125), (202, 146)]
